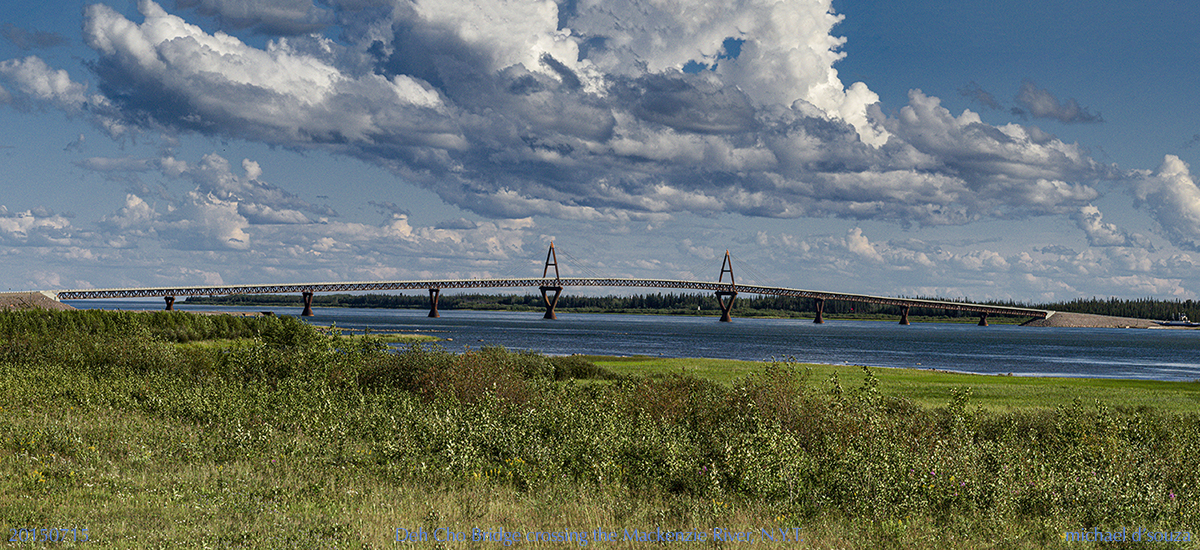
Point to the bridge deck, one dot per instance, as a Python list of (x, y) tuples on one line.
[(533, 283)]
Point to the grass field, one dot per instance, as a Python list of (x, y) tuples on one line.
[(164, 431), (931, 388)]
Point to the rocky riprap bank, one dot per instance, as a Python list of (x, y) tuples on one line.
[(29, 300), (1087, 320)]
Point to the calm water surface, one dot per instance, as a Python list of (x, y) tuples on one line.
[(1026, 351)]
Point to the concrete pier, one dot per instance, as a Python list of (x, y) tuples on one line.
[(434, 294), (551, 301), (308, 297), (726, 305)]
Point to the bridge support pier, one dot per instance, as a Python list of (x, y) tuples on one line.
[(983, 319), (308, 296), (434, 293), (820, 302), (170, 302), (551, 301), (904, 315), (726, 305)]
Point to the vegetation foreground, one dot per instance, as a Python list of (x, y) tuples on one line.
[(290, 438)]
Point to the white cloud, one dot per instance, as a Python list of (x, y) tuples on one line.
[(179, 76), (860, 245), (973, 270), (237, 215), (135, 218), (581, 111), (35, 228), (205, 222), (33, 77), (1172, 197), (39, 82), (1099, 233)]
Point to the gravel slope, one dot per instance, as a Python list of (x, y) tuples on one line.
[(29, 300), (1062, 319)]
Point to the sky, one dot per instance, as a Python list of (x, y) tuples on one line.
[(1011, 150)]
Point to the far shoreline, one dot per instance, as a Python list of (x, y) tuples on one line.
[(1057, 319)]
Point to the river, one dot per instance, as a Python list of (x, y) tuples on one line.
[(997, 349)]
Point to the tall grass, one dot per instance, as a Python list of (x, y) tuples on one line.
[(297, 439), (171, 326)]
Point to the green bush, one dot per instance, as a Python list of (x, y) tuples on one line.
[(778, 439), (575, 367)]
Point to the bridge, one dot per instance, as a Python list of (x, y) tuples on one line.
[(551, 288)]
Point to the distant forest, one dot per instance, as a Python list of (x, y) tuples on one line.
[(699, 304)]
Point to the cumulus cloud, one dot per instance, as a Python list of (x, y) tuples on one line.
[(1038, 103), (1172, 197), (35, 78), (205, 222), (215, 180), (36, 227), (176, 75), (1099, 233), (579, 111), (232, 212), (915, 267), (41, 84), (257, 200), (136, 217)]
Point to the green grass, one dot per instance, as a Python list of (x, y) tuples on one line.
[(295, 439), (386, 337), (932, 388)]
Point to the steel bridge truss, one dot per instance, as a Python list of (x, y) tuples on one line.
[(725, 289), (551, 289)]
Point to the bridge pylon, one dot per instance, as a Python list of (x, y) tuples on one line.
[(551, 260), (551, 300), (725, 297)]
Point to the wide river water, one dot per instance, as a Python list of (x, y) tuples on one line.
[(997, 349)]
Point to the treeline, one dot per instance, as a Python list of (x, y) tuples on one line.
[(663, 303), (703, 304), (1144, 308)]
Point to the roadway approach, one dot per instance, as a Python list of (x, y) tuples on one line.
[(551, 288)]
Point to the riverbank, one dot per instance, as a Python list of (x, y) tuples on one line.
[(1085, 320), (30, 300)]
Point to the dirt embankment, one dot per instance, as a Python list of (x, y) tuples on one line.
[(29, 300), (1062, 319)]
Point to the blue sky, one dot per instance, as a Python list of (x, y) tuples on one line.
[(1006, 150)]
